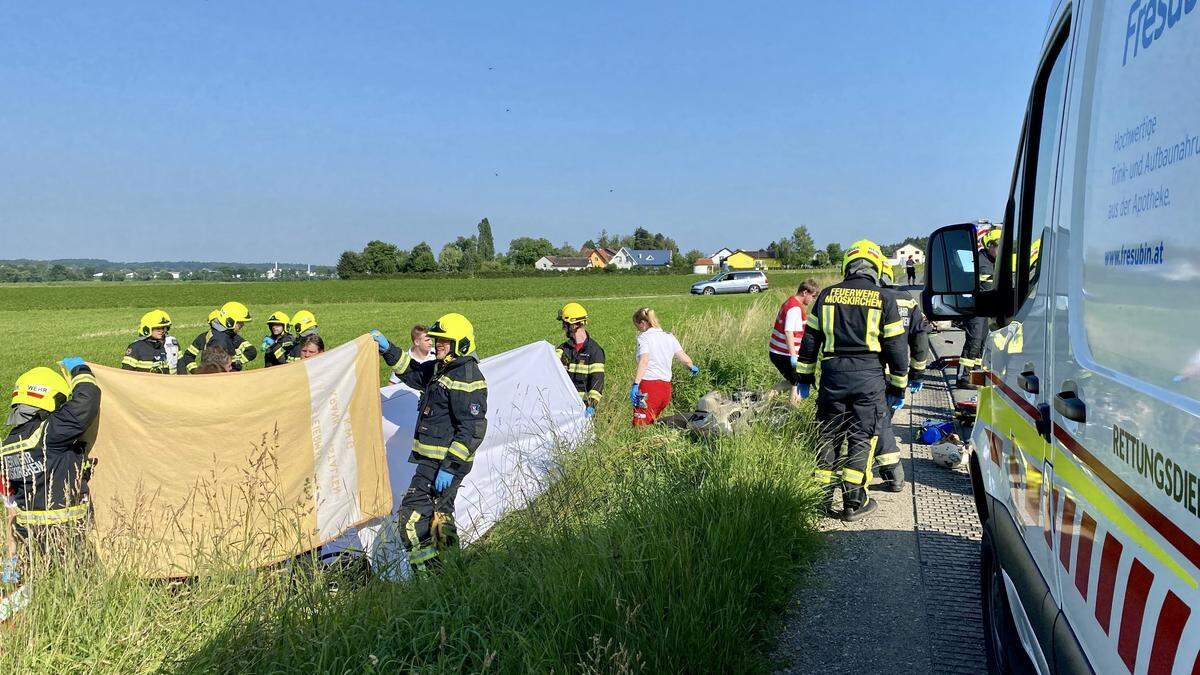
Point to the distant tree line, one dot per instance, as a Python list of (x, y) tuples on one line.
[(32, 271), (477, 253)]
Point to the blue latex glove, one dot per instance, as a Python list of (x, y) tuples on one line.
[(635, 395), (267, 342), (795, 362), (443, 481), (695, 369), (71, 363), (803, 390), (380, 340), (915, 386), (9, 573), (895, 402), (589, 411)]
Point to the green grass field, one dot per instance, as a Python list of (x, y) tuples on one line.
[(654, 551)]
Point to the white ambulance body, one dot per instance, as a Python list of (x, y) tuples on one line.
[(1087, 463)]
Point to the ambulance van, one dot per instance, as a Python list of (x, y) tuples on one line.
[(1086, 469)]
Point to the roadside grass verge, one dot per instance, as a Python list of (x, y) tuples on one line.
[(654, 551)]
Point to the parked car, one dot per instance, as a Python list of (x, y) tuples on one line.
[(750, 281)]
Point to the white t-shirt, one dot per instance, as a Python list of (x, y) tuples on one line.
[(661, 346), (395, 379)]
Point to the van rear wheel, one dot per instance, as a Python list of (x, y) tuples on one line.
[(709, 290), (754, 288), (1005, 655)]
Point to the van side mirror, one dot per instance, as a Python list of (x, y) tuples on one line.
[(951, 279)]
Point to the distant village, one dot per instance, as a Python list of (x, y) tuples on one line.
[(626, 258)]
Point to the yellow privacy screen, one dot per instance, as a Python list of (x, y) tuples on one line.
[(200, 473)]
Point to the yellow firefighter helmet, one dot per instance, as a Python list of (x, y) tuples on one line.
[(278, 317), (864, 249), (234, 313), (888, 274), (457, 329), (155, 318), (42, 388), (302, 321), (990, 237), (572, 312)]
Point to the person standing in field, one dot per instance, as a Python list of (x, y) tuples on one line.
[(910, 268), (304, 323), (783, 348), (656, 351), (148, 353), (311, 345), (451, 424), (581, 356), (421, 350), (277, 324), (224, 332), (43, 460)]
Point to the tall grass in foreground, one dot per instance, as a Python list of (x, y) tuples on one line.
[(653, 552)]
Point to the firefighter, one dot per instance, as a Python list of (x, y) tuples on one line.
[(304, 323), (43, 459), (916, 332), (148, 353), (451, 425), (856, 331), (224, 332), (976, 328), (581, 356), (277, 324)]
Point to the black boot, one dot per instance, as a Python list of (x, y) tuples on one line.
[(853, 514), (964, 380)]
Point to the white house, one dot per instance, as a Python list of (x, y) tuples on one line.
[(902, 253), (561, 263), (628, 258), (703, 266), (718, 258)]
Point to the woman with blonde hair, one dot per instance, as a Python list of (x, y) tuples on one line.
[(656, 350)]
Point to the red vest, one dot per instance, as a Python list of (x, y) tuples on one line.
[(778, 343)]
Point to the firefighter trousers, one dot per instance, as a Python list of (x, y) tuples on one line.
[(850, 407), (976, 329), (426, 518), (887, 457)]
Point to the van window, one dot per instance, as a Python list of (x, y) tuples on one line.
[(1032, 198), (1139, 175)]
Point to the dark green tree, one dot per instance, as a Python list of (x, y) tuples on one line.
[(524, 251), (450, 259), (803, 246), (487, 246), (351, 265), (421, 259), (834, 253), (381, 257)]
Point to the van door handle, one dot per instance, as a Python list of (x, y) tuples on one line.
[(1028, 381), (1068, 404)]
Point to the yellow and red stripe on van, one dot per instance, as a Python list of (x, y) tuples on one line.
[(1009, 415)]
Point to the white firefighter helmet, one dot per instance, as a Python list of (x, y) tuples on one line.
[(949, 455)]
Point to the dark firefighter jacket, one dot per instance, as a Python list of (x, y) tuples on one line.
[(586, 368), (916, 331), (987, 270), (146, 355), (44, 459), (239, 348), (451, 418), (854, 325), (277, 353)]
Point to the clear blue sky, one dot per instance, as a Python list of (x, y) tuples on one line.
[(293, 131)]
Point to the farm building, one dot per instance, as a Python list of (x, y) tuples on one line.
[(561, 263), (703, 266), (752, 260), (718, 258), (628, 258), (902, 253), (598, 257)]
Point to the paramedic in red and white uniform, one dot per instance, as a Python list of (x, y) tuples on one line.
[(656, 348), (784, 345)]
